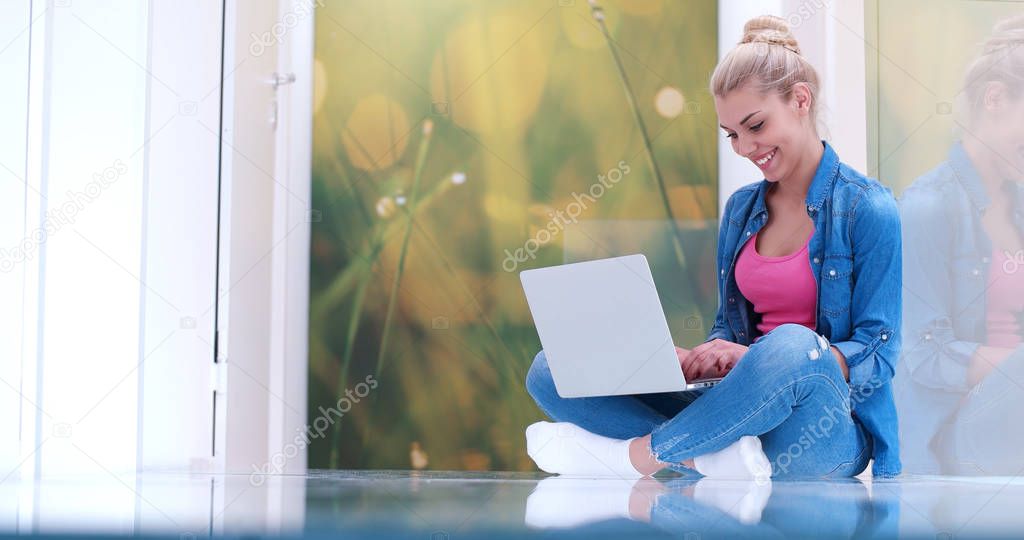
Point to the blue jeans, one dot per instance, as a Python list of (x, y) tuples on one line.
[(787, 390), (984, 436)]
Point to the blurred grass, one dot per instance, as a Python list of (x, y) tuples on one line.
[(526, 102)]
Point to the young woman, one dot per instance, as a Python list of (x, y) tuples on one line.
[(962, 374), (809, 278)]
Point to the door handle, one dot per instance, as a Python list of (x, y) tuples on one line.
[(278, 79)]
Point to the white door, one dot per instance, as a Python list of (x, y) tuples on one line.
[(264, 231)]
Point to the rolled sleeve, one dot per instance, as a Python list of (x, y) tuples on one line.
[(938, 359), (876, 305), (861, 372), (718, 333)]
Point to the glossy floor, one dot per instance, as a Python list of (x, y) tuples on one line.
[(441, 506)]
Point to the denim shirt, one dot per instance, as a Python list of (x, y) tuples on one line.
[(947, 261), (855, 254)]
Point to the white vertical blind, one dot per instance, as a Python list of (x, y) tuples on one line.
[(95, 155), (110, 147), (108, 199), (14, 55)]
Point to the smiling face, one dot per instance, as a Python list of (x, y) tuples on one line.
[(776, 135)]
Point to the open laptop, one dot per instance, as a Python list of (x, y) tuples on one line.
[(603, 329)]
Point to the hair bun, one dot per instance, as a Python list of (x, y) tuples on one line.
[(1006, 33), (1009, 25), (769, 29)]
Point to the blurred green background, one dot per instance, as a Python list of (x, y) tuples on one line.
[(917, 53), (447, 135)]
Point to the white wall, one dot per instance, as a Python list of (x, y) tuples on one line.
[(831, 37)]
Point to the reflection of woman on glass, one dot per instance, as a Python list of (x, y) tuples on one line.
[(962, 385), (809, 308)]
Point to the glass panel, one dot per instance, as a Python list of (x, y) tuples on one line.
[(949, 135), (457, 144)]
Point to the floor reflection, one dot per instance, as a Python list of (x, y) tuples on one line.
[(441, 506), (709, 508)]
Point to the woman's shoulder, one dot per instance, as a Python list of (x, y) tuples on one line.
[(934, 186), (932, 198), (863, 194), (852, 179)]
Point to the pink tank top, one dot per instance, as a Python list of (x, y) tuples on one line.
[(782, 289), (1005, 299)]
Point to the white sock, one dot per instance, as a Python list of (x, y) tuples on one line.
[(742, 459), (567, 449), (571, 502), (744, 500)]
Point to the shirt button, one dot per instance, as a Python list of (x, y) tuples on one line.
[(723, 271), (732, 299), (748, 233), (741, 333), (885, 337), (817, 260), (928, 336), (975, 271), (810, 208), (831, 272)]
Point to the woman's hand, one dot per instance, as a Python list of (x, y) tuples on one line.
[(682, 353), (712, 359)]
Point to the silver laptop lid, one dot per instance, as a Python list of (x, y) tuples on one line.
[(602, 327)]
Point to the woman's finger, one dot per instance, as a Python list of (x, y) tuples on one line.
[(697, 365), (703, 356), (692, 364), (721, 365), (707, 364)]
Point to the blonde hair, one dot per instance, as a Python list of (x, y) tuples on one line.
[(768, 56), (1001, 60)]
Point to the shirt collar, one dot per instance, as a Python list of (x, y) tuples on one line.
[(821, 184), (968, 176)]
